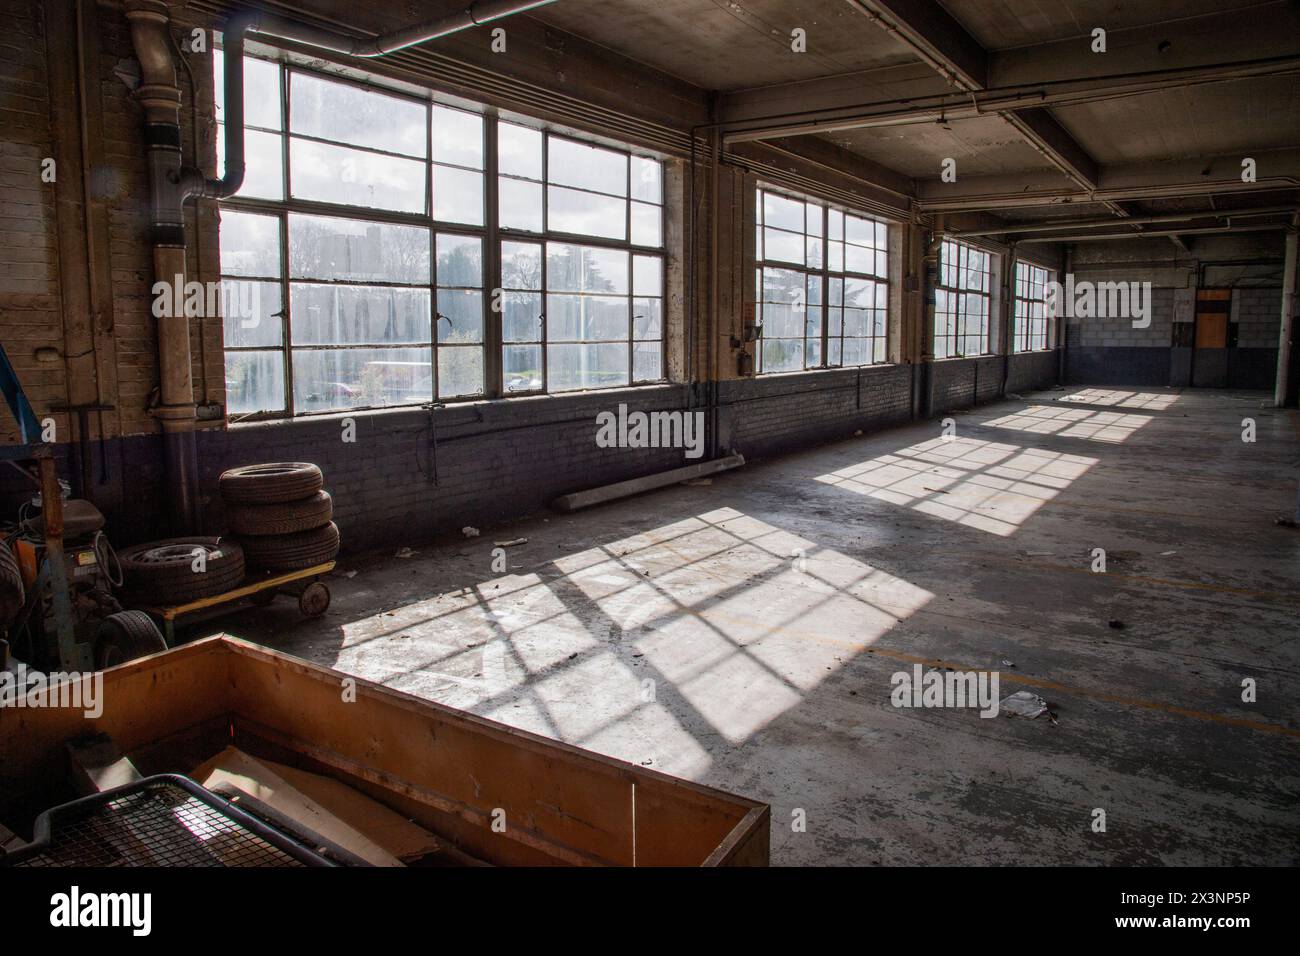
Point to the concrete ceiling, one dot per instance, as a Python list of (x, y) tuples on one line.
[(1241, 116), (742, 48), (981, 147), (732, 44), (1007, 24)]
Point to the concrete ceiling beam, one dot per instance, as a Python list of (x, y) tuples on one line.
[(1275, 170)]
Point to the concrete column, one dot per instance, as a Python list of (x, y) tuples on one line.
[(929, 279), (1006, 314), (1286, 334)]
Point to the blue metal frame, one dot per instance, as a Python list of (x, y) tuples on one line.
[(28, 426)]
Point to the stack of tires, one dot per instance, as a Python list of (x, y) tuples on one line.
[(281, 515)]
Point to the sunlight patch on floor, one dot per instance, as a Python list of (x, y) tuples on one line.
[(990, 486)]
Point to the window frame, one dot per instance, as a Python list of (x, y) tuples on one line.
[(546, 236), (824, 274), (1024, 319), (490, 234), (961, 293)]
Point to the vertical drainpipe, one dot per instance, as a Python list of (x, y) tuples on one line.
[(714, 323), (160, 96), (1286, 334), (1007, 314)]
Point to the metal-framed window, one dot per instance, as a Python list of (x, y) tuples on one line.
[(821, 285), (582, 272), (1032, 324), (961, 301), (360, 251)]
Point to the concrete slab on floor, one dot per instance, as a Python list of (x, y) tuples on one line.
[(744, 633)]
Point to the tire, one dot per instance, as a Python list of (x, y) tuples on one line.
[(162, 572), (286, 517), (292, 552), (125, 636), (12, 592), (270, 483)]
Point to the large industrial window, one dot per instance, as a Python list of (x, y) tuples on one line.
[(961, 301), (582, 269), (822, 285), (355, 254), (1032, 325)]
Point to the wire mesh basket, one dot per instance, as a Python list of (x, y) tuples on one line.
[(165, 820)]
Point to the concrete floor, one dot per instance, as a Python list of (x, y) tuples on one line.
[(771, 607)]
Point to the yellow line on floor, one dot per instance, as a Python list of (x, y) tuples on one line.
[(1278, 596), (1098, 694), (1016, 678)]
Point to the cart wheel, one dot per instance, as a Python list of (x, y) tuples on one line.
[(263, 598), (124, 636), (313, 601)]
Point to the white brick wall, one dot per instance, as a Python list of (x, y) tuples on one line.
[(1258, 314), (1110, 331)]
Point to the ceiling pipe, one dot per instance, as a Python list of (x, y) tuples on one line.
[(258, 23), (930, 108), (1019, 230), (1056, 197), (1206, 230)]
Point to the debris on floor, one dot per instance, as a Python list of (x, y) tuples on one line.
[(1023, 704), (1115, 624), (511, 543), (405, 553), (469, 531)]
